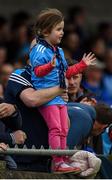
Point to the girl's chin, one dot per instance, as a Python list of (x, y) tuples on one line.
[(58, 41)]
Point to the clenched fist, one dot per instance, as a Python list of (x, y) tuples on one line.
[(6, 110), (19, 137)]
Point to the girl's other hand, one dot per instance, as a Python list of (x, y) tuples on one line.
[(53, 61), (89, 59)]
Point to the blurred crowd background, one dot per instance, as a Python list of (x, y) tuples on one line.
[(84, 32)]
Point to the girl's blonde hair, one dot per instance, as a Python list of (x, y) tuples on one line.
[(46, 20)]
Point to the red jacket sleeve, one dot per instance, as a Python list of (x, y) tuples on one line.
[(75, 69), (43, 70)]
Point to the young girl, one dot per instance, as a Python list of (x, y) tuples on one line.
[(50, 69)]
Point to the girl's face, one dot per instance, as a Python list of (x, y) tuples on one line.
[(55, 36)]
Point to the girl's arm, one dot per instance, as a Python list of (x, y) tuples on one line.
[(81, 66), (45, 69), (75, 69)]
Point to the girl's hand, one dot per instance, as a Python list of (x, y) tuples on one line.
[(89, 59), (53, 61)]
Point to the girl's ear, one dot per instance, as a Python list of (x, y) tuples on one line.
[(45, 33)]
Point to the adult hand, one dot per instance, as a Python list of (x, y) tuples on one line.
[(64, 95), (91, 102), (3, 146), (89, 59), (6, 110), (19, 137)]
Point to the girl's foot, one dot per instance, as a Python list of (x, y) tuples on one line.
[(63, 168)]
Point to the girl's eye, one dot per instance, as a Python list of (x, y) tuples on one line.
[(59, 29)]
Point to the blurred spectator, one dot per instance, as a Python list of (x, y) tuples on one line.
[(6, 71), (105, 32), (77, 15), (87, 121), (19, 45), (11, 118), (107, 96), (31, 33), (3, 55), (21, 17), (10, 129), (73, 92), (4, 30), (107, 141), (74, 85), (70, 44), (68, 26), (108, 61), (97, 46), (107, 78), (76, 93), (92, 80)]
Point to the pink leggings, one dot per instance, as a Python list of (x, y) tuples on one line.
[(56, 118)]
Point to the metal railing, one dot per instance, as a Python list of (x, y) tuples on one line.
[(40, 152)]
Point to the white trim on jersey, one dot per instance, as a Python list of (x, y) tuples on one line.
[(43, 49), (20, 78), (15, 80), (40, 48)]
